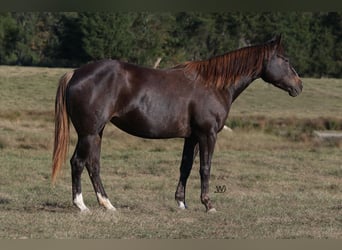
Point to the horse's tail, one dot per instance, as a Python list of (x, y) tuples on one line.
[(62, 131)]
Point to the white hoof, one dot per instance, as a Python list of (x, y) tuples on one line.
[(181, 205), (105, 202), (212, 210), (78, 202), (85, 211), (111, 209)]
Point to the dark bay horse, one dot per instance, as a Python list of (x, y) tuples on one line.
[(191, 101)]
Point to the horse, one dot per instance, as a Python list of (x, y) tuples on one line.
[(190, 100)]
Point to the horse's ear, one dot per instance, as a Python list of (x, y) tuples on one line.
[(278, 39), (277, 44)]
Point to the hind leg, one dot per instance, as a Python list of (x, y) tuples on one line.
[(77, 166), (87, 154), (94, 171)]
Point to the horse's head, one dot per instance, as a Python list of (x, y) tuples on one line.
[(278, 71)]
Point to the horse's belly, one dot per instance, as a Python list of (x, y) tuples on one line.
[(154, 127)]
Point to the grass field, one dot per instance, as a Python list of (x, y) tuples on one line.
[(281, 183)]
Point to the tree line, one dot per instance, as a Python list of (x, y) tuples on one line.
[(312, 40)]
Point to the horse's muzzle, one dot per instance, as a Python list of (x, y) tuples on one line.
[(297, 89)]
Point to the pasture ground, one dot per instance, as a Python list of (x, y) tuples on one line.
[(280, 183)]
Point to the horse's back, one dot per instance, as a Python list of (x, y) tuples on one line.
[(94, 71)]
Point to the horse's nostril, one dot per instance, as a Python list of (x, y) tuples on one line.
[(299, 82)]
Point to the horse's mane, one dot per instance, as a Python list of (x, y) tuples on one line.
[(224, 70)]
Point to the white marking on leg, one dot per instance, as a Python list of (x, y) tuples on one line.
[(78, 201), (212, 210), (181, 205), (105, 202)]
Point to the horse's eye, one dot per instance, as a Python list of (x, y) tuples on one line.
[(284, 58)]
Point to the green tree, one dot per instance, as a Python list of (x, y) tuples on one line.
[(332, 22), (24, 52), (67, 48), (106, 35), (151, 33), (9, 34)]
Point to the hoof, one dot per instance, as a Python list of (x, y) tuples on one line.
[(85, 211), (212, 210), (112, 209), (181, 205)]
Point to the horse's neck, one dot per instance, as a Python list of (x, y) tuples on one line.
[(244, 80), (237, 88)]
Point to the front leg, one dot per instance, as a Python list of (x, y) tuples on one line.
[(207, 145), (188, 156)]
